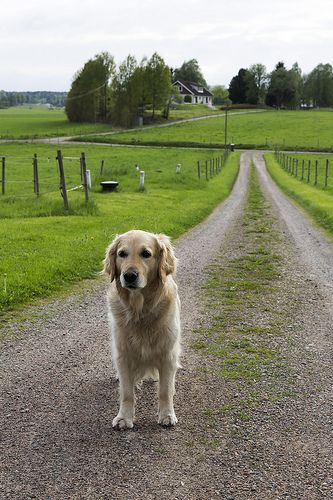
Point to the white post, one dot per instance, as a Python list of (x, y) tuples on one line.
[(178, 167), (88, 177), (142, 180)]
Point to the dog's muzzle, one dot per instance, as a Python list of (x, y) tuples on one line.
[(130, 279)]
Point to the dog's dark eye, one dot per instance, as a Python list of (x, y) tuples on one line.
[(145, 254), (122, 254)]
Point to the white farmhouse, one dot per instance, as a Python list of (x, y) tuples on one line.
[(193, 93)]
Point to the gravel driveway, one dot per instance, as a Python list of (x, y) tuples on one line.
[(59, 395)]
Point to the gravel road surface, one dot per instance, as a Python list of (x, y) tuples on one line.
[(59, 395)]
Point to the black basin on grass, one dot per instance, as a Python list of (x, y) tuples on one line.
[(109, 185)]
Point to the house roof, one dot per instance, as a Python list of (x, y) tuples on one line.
[(192, 88)]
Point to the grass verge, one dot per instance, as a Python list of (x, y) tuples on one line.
[(317, 202)]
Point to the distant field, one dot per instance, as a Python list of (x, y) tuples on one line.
[(38, 121), (45, 251), (26, 122), (288, 129)]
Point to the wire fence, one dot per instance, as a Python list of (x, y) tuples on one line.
[(24, 178), (208, 168), (314, 171)]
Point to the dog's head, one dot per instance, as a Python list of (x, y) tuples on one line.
[(138, 258)]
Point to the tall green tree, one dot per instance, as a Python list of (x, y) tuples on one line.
[(283, 88), (190, 71), (257, 84), (124, 100), (87, 100), (158, 83), (318, 86), (238, 87)]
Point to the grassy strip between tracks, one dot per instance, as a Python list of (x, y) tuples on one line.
[(240, 293), (42, 255), (317, 202)]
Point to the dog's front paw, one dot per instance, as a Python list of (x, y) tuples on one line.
[(120, 422), (167, 420)]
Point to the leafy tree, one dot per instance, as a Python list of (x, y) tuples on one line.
[(158, 83), (238, 87), (283, 89), (88, 97), (190, 71), (318, 86), (220, 95), (124, 94), (257, 83), (141, 87)]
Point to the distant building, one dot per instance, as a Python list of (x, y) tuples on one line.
[(193, 93)]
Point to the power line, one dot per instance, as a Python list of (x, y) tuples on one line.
[(87, 93)]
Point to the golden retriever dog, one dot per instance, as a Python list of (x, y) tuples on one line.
[(144, 316)]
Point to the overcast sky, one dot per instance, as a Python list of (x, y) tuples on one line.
[(42, 43)]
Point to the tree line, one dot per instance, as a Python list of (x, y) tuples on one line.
[(283, 88), (102, 92), (8, 99)]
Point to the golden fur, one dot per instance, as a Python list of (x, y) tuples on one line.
[(144, 316)]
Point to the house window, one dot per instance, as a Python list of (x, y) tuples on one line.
[(180, 88)]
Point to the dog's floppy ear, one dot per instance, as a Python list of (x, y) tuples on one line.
[(168, 261), (110, 259)]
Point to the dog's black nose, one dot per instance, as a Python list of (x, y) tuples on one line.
[(130, 277)]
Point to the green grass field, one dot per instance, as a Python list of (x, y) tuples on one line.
[(38, 121), (24, 122), (43, 253), (316, 201), (288, 129)]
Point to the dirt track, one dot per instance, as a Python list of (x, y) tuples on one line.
[(59, 396)]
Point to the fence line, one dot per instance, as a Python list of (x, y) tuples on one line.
[(215, 166), (65, 182), (309, 172)]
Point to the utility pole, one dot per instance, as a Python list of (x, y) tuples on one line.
[(225, 131)]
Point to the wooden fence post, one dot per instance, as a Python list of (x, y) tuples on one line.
[(296, 167), (36, 181), (3, 175), (316, 173), (199, 169), (206, 170), (62, 179), (309, 171), (102, 168), (303, 161), (85, 180), (326, 173)]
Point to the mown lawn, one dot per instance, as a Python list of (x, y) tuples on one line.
[(43, 250), (287, 129)]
